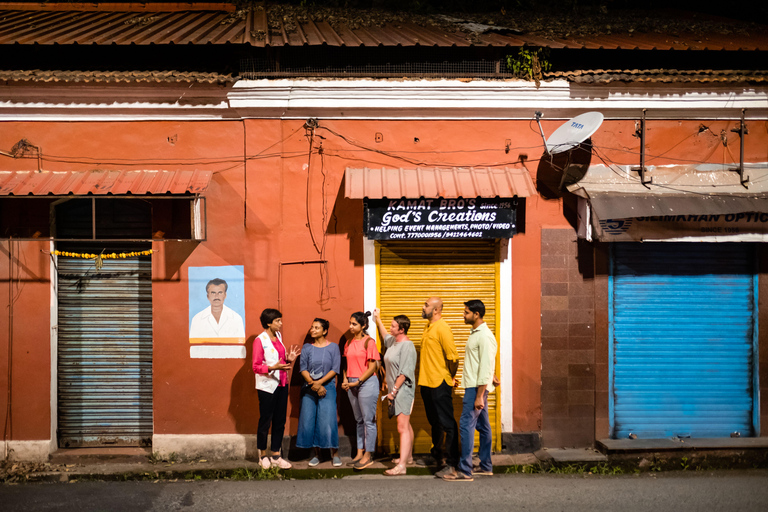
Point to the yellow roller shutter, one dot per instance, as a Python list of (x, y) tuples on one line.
[(408, 274)]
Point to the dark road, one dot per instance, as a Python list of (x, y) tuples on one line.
[(648, 492)]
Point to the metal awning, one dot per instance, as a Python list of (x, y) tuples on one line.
[(102, 182), (684, 203), (28, 200), (430, 182), (615, 192)]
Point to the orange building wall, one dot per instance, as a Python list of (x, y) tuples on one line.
[(258, 217), (25, 341)]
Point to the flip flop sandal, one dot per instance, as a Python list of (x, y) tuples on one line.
[(396, 471), (363, 465)]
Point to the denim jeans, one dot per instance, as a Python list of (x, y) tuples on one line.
[(318, 427), (363, 400), (471, 419)]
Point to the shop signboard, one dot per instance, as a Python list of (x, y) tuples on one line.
[(440, 218), (749, 226)]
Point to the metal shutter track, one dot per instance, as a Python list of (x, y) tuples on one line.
[(409, 273), (105, 352), (683, 326)]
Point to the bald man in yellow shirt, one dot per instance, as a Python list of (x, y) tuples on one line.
[(438, 363)]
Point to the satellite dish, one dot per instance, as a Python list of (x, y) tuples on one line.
[(573, 132)]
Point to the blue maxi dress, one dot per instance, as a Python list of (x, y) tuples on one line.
[(318, 426)]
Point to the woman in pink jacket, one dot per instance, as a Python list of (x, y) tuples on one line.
[(271, 364)]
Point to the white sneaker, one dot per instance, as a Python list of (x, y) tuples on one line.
[(281, 463), (265, 464)]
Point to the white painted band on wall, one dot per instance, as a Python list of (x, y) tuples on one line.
[(382, 99), (208, 446), (370, 292), (505, 335), (27, 451), (217, 352)]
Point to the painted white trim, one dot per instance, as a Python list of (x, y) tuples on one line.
[(216, 352), (477, 99), (370, 290), (505, 334), (28, 451), (54, 299), (208, 446), (125, 102), (380, 99)]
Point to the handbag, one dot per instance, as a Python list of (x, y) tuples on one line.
[(391, 409)]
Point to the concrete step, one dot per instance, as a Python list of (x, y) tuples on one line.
[(570, 455), (127, 454), (618, 446)]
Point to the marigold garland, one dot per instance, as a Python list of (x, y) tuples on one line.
[(111, 256)]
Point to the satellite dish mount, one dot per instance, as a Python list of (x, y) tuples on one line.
[(570, 135)]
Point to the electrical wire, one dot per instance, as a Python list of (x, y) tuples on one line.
[(86, 160), (369, 162), (311, 135), (352, 142), (324, 281), (399, 155), (457, 151), (650, 156), (403, 155), (325, 290), (709, 186)]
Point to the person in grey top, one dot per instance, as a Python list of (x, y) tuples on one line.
[(400, 365)]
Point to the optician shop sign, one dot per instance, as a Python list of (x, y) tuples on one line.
[(749, 226), (440, 219)]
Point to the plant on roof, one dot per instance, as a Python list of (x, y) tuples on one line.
[(530, 63)]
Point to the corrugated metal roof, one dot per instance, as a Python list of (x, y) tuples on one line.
[(37, 75), (120, 27), (98, 182), (431, 182), (141, 25), (604, 76)]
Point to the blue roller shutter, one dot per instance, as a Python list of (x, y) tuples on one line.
[(104, 352), (683, 326)]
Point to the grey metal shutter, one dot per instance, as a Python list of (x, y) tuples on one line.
[(683, 323), (105, 352)]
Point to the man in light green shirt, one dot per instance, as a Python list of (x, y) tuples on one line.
[(479, 363)]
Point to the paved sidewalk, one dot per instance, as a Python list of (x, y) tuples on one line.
[(138, 464), (135, 464)]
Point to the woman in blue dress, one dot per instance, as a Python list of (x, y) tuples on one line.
[(318, 426)]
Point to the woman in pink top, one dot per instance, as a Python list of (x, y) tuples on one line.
[(362, 385)]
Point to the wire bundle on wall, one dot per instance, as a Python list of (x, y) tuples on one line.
[(310, 126)]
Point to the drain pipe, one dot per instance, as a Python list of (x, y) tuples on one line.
[(7, 432)]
